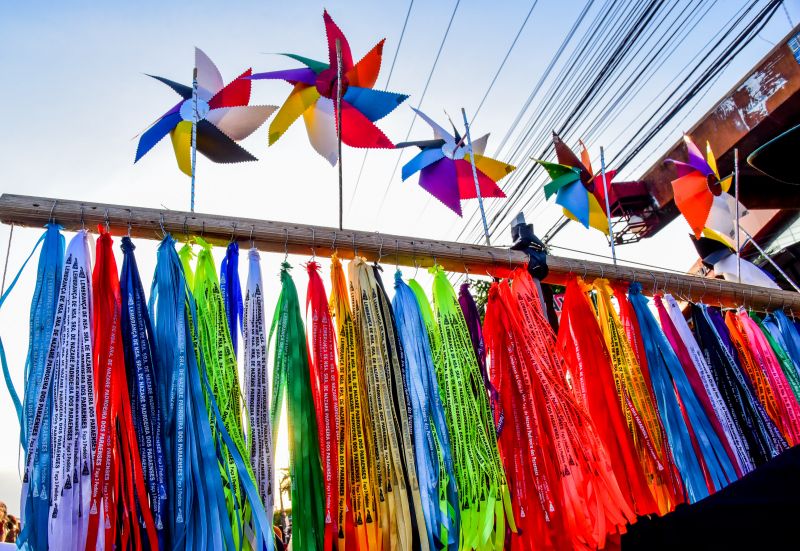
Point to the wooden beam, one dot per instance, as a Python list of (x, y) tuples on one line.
[(280, 237)]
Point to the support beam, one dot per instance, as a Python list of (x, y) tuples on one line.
[(408, 251)]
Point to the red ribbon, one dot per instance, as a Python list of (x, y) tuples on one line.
[(118, 487)]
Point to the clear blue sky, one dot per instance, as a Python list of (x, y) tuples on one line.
[(74, 95)]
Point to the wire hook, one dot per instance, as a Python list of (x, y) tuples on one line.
[(130, 215), (397, 255), (233, 233), (105, 221), (286, 245), (430, 246), (185, 228), (655, 282), (380, 251), (161, 224), (333, 246), (313, 244), (83, 224), (53, 208), (252, 242), (355, 249)]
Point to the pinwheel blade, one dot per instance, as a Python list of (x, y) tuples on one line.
[(479, 145), (374, 104), (600, 189), (751, 274), (313, 64), (586, 158), (466, 182), (711, 160), (422, 144), (218, 147), (423, 159), (358, 130), (239, 122), (321, 127), (182, 144), (182, 90), (696, 157), (567, 157), (438, 131), (236, 93), (693, 199), (494, 169), (301, 98), (304, 75), (441, 180), (722, 215), (681, 168), (209, 80), (560, 175), (333, 32), (155, 133), (365, 72), (597, 215), (575, 200)]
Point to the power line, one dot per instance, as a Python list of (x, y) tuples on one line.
[(388, 80), (419, 104)]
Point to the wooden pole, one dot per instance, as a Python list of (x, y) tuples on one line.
[(273, 236)]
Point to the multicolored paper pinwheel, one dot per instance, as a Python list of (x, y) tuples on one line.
[(446, 170), (577, 189), (701, 195), (314, 97), (224, 117)]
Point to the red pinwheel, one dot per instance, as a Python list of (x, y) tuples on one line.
[(223, 117), (314, 97)]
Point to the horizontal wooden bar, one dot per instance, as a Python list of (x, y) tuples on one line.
[(294, 238)]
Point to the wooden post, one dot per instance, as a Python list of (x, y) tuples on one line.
[(273, 236)]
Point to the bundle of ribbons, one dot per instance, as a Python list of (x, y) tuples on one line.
[(414, 422)]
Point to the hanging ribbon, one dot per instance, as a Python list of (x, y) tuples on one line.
[(325, 389), (257, 389), (36, 504), (781, 356), (593, 505), (431, 441), (137, 341), (763, 437), (765, 374), (637, 400), (681, 411), (677, 332), (119, 496), (291, 375), (399, 505), (786, 333), (231, 290), (357, 519), (67, 383), (582, 345), (223, 375), (483, 492), (198, 515)]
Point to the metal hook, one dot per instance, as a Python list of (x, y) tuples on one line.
[(655, 282), (414, 257), (510, 263), (83, 224), (430, 246), (161, 223), (252, 242), (203, 229), (769, 303), (286, 245), (186, 228), (355, 249), (380, 251), (50, 218), (313, 245), (233, 233), (397, 255), (466, 270), (602, 272), (584, 271), (333, 246), (705, 289), (105, 221), (130, 215)]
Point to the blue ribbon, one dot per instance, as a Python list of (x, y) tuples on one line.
[(430, 428), (137, 343), (786, 333), (45, 297), (668, 376), (231, 289)]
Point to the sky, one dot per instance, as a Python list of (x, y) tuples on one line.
[(75, 96)]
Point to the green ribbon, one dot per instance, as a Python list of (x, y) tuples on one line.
[(291, 376)]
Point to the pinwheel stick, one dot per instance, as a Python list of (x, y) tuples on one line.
[(194, 134), (738, 238), (608, 205), (475, 176), (339, 123)]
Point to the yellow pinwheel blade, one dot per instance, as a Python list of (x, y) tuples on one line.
[(597, 216), (302, 97), (494, 169), (726, 182), (717, 236), (711, 160), (182, 144)]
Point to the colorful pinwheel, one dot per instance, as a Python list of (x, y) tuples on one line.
[(716, 253), (577, 189), (314, 97), (446, 170), (700, 194), (224, 117)]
